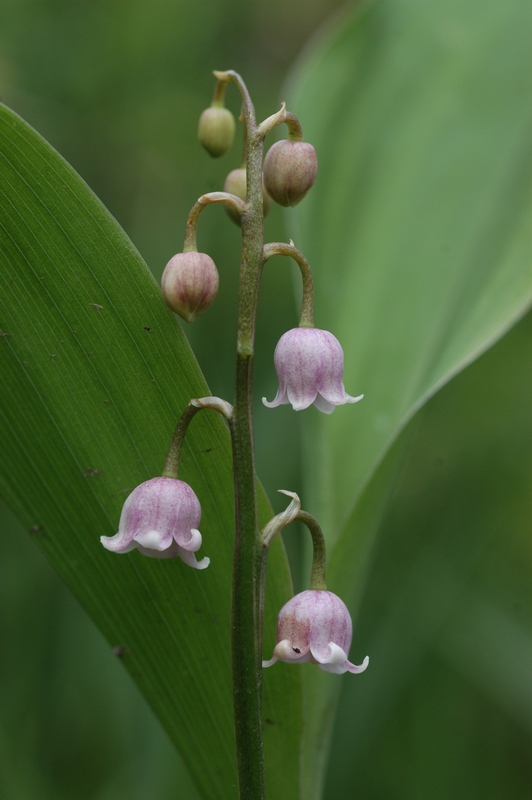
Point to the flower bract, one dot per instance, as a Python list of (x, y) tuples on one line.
[(309, 363), (315, 626), (160, 518)]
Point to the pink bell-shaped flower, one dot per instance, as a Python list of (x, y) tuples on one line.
[(309, 363), (160, 518), (315, 626)]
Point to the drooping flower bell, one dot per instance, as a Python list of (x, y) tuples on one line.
[(160, 518), (309, 363), (315, 626)]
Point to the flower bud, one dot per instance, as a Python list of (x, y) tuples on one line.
[(190, 284), (235, 183), (216, 130), (290, 169)]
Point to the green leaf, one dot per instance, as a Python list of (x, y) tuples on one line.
[(418, 232), (447, 615), (95, 373)]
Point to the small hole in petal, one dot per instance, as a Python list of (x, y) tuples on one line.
[(296, 649)]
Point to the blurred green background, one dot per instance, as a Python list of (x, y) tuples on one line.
[(117, 88)]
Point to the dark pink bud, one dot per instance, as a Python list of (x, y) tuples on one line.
[(190, 284), (290, 169)]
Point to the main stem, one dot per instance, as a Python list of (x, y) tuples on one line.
[(246, 601)]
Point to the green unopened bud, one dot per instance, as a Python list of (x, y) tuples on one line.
[(216, 130), (190, 284), (290, 169), (235, 183)]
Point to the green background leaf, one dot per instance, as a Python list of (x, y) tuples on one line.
[(95, 372), (421, 114)]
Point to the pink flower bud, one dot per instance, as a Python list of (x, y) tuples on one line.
[(160, 518), (310, 364), (190, 284), (315, 626), (290, 169)]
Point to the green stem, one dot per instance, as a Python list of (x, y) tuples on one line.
[(307, 304), (205, 200), (319, 558), (248, 558), (171, 465)]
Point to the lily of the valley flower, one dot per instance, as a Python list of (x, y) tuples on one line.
[(160, 518), (315, 626), (309, 363)]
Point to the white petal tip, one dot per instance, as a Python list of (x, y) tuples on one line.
[(357, 670), (269, 663), (273, 404)]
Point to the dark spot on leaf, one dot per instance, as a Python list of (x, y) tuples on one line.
[(269, 721), (5, 335), (106, 401), (147, 329), (198, 611), (89, 473), (119, 651)]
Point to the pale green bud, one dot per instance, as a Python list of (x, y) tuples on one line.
[(235, 183), (216, 130)]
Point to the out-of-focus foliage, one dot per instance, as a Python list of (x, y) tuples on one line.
[(423, 260)]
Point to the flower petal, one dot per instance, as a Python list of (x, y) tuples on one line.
[(116, 543), (270, 662), (190, 559), (279, 399), (354, 668), (333, 654), (154, 540), (285, 651)]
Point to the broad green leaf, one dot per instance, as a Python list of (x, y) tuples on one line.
[(418, 232), (95, 372), (446, 710)]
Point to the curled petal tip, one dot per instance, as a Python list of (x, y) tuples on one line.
[(353, 668)]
